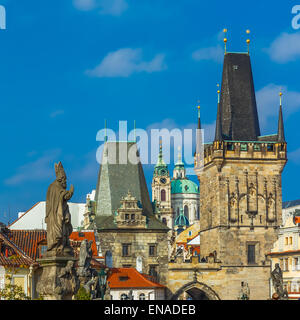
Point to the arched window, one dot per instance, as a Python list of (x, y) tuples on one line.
[(186, 211), (108, 259), (163, 195), (142, 296), (164, 221), (124, 296)]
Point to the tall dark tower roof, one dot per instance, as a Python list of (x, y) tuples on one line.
[(238, 109)]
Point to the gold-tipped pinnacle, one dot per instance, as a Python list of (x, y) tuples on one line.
[(248, 40), (225, 39)]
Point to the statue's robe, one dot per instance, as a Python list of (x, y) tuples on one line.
[(58, 217)]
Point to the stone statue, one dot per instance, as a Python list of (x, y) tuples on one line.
[(88, 276), (58, 217), (277, 280), (59, 280), (245, 291), (85, 257)]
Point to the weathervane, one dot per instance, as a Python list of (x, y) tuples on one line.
[(218, 92)]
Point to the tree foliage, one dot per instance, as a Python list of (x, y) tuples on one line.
[(82, 294)]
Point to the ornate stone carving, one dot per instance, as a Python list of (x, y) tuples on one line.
[(130, 214), (88, 276), (277, 280)]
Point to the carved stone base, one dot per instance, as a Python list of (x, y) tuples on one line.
[(59, 280)]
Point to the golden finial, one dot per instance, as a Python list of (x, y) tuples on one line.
[(218, 92), (280, 96), (248, 40), (225, 38)]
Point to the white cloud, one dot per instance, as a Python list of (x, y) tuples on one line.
[(56, 113), (124, 62), (84, 5), (285, 48), (294, 156), (38, 170), (105, 7), (187, 144), (268, 103), (211, 53)]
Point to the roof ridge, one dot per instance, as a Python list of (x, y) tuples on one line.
[(24, 213), (16, 248)]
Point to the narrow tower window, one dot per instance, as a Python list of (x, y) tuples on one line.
[(163, 195)]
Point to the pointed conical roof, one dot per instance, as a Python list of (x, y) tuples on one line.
[(218, 132), (118, 173), (161, 168), (281, 136), (199, 141), (121, 171), (238, 110)]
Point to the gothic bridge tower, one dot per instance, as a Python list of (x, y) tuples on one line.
[(240, 183)]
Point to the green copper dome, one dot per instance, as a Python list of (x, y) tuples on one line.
[(181, 220), (183, 186)]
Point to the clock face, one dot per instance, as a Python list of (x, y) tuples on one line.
[(163, 180)]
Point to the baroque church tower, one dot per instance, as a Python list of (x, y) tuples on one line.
[(161, 190), (240, 180)]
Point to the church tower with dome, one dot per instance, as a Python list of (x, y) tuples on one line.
[(170, 196)]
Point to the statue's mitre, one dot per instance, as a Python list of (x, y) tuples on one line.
[(59, 170)]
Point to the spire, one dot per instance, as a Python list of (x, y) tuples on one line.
[(218, 133), (161, 168), (198, 132), (179, 158), (281, 137), (160, 161), (105, 134), (179, 169), (199, 121)]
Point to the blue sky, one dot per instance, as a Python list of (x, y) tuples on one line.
[(68, 65)]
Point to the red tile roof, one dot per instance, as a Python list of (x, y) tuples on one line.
[(28, 241), (130, 278), (25, 244), (77, 237), (11, 255)]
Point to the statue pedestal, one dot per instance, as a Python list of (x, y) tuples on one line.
[(59, 280)]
